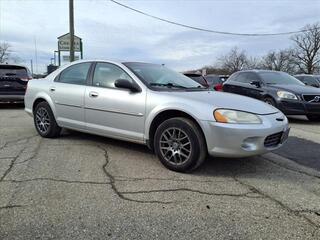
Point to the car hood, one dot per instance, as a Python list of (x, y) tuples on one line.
[(298, 89), (226, 100)]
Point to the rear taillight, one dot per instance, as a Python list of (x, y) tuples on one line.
[(26, 79), (218, 87)]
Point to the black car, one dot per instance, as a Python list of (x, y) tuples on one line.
[(310, 80), (13, 82), (278, 89)]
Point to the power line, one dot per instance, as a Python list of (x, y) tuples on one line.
[(208, 30)]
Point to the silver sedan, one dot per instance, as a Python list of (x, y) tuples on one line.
[(153, 105)]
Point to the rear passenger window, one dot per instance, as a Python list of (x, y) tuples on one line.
[(75, 74), (246, 77)]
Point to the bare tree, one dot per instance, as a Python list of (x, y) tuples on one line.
[(253, 63), (234, 61), (307, 49), (282, 60), (4, 52)]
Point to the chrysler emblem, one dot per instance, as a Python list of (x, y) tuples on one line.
[(316, 99)]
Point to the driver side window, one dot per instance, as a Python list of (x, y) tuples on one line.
[(105, 75)]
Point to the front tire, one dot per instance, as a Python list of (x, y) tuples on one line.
[(314, 118), (45, 122), (180, 145)]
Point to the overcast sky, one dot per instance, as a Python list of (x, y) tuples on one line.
[(110, 31)]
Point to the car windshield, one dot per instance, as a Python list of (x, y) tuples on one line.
[(310, 79), (279, 78), (161, 77)]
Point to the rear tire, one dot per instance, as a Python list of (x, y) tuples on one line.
[(180, 145), (313, 118), (44, 121)]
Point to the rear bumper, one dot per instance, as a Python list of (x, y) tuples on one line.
[(243, 140), (299, 107), (12, 97)]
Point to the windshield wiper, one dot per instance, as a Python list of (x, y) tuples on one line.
[(167, 85)]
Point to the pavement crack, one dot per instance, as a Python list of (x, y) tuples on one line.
[(131, 179), (289, 168), (113, 183), (309, 211), (191, 190), (6, 144), (35, 153), (11, 206), (279, 203), (13, 160), (121, 194), (56, 180)]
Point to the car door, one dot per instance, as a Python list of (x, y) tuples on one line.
[(231, 85), (67, 93), (112, 111), (238, 84), (253, 85)]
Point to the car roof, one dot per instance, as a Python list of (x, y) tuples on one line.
[(311, 75), (260, 71), (12, 65), (116, 61)]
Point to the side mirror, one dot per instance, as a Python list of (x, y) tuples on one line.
[(256, 83), (126, 84)]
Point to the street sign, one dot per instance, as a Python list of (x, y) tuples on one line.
[(64, 46), (64, 43), (67, 58)]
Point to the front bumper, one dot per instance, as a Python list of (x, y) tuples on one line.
[(292, 107), (243, 140)]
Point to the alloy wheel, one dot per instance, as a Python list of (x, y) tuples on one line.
[(175, 146), (42, 120)]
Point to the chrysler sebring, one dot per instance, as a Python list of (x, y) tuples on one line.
[(150, 104)]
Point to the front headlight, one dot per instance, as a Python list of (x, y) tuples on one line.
[(233, 116), (287, 95)]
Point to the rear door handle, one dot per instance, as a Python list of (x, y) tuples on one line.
[(52, 89), (93, 94)]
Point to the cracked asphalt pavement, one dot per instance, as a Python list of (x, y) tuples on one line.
[(81, 186)]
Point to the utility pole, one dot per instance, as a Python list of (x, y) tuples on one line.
[(36, 54), (71, 30), (31, 65)]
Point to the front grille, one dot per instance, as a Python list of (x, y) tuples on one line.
[(312, 98), (273, 140)]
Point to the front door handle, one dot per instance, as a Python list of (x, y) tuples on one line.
[(93, 94)]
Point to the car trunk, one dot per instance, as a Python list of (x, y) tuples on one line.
[(13, 79)]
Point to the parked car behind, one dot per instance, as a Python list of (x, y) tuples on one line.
[(310, 80), (208, 81), (278, 89), (198, 78), (153, 105), (13, 82), (215, 81)]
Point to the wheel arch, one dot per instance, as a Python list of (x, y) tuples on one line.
[(165, 115), (267, 95), (43, 98)]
